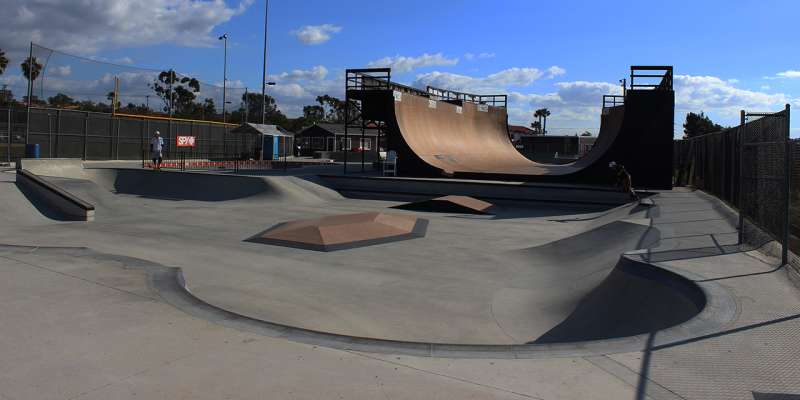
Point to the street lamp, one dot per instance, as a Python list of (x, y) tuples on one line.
[(224, 38)]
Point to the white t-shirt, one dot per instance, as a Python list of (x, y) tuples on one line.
[(156, 144)]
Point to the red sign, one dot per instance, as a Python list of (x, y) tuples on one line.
[(185, 141)]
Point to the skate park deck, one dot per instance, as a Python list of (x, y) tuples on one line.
[(510, 281)]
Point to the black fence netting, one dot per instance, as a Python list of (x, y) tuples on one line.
[(63, 133), (749, 167)]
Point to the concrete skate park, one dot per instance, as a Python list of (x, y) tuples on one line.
[(457, 258)]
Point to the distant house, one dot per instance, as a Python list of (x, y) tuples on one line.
[(327, 137), (585, 143), (269, 142), (552, 148), (516, 132)]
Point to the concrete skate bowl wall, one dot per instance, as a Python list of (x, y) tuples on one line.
[(581, 307), (173, 185), (601, 294), (635, 298)]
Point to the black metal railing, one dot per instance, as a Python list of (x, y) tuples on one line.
[(495, 100), (664, 78), (613, 100)]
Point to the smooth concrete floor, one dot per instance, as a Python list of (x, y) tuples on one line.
[(71, 329), (470, 280)]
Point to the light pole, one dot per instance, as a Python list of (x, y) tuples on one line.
[(264, 72), (224, 38)]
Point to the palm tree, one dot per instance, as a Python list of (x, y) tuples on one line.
[(31, 68), (3, 62), (536, 126), (545, 114), (538, 115)]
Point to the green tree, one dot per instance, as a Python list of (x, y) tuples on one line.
[(178, 94), (335, 109), (3, 62), (110, 98), (536, 126), (698, 124), (251, 108), (61, 100), (545, 114), (313, 114), (31, 68)]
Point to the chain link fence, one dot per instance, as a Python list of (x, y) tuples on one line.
[(750, 168), (87, 135), (66, 81)]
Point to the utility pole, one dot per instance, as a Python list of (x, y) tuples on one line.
[(224, 38)]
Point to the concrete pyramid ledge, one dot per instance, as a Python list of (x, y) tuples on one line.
[(452, 204), (340, 232)]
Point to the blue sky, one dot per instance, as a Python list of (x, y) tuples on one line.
[(562, 55)]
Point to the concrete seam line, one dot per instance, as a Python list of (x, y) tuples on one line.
[(630, 377), (439, 374)]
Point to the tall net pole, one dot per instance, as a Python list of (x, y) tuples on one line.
[(30, 94), (264, 74)]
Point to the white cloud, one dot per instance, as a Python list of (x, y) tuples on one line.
[(402, 64), (712, 94), (493, 83), (575, 106), (85, 27), (472, 56), (498, 82), (316, 73), (555, 71), (789, 74), (63, 70), (316, 34)]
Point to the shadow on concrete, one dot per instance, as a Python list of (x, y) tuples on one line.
[(166, 185), (635, 298), (42, 206)]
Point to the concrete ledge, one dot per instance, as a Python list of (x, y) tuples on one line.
[(54, 197), (485, 190)]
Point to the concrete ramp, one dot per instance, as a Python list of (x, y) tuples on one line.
[(174, 185), (635, 298), (465, 138)]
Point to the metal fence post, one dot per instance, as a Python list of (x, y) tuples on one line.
[(8, 130), (111, 135), (741, 176), (788, 195), (58, 130), (85, 133), (49, 135)]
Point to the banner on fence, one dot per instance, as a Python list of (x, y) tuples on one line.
[(185, 141)]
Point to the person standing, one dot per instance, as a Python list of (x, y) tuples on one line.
[(156, 146)]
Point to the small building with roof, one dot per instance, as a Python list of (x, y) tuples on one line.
[(269, 142), (324, 137)]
